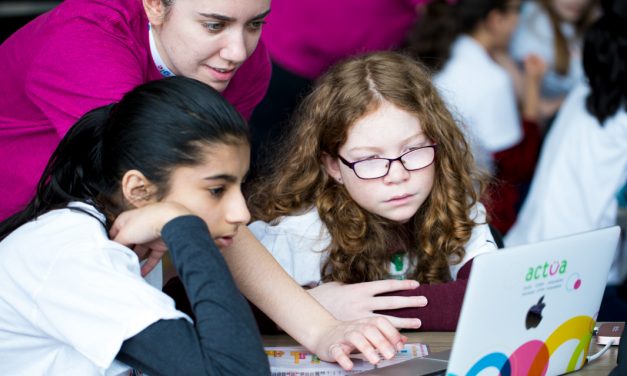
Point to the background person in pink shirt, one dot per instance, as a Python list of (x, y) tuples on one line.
[(88, 53)]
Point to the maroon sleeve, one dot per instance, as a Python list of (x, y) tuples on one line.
[(516, 164), (514, 170), (444, 303)]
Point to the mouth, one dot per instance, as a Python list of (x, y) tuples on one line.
[(223, 70), (400, 197), (221, 74), (224, 241)]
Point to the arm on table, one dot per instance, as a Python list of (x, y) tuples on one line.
[(444, 302), (262, 280), (358, 301)]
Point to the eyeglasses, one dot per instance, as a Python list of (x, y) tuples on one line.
[(374, 168)]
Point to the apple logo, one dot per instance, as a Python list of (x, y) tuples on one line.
[(534, 316)]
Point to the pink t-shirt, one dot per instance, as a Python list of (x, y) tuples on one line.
[(307, 36), (81, 55)]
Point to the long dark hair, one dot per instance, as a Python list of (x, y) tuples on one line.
[(442, 22), (154, 128), (605, 61)]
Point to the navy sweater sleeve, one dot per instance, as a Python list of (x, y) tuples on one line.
[(224, 339), (444, 303)]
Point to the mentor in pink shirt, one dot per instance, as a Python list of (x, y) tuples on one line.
[(87, 53)]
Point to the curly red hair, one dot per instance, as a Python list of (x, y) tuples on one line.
[(361, 241)]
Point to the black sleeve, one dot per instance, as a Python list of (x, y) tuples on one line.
[(224, 339)]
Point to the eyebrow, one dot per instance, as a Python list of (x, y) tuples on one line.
[(224, 18), (376, 149), (226, 177)]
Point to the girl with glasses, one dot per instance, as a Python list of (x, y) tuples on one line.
[(161, 169), (375, 190)]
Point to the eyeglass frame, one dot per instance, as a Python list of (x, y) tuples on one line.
[(351, 165)]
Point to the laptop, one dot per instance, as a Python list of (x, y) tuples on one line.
[(528, 310)]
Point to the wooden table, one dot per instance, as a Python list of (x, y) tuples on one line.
[(439, 341)]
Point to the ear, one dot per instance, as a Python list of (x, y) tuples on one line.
[(137, 189), (155, 11), (332, 167)]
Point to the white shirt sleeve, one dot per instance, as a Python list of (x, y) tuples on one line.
[(93, 298), (495, 118), (481, 240), (481, 95), (298, 243)]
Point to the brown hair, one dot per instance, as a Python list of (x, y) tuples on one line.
[(560, 44), (361, 241)]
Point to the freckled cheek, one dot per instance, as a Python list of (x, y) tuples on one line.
[(424, 180), (366, 193)]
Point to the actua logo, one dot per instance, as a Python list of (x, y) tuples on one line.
[(547, 270)]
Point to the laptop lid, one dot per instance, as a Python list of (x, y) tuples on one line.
[(528, 310), (531, 309)]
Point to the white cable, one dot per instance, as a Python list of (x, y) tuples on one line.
[(593, 357)]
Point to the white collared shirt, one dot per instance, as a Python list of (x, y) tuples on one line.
[(299, 244), (480, 95), (70, 296)]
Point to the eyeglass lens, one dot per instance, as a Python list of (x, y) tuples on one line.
[(378, 167)]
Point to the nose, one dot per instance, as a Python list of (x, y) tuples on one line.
[(237, 211), (234, 49), (396, 174)]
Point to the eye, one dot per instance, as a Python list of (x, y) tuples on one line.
[(365, 157), (217, 191), (213, 26), (256, 25)]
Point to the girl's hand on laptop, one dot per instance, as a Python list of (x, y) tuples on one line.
[(374, 337), (360, 300)]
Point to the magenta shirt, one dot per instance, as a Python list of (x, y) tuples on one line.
[(81, 55), (307, 36)]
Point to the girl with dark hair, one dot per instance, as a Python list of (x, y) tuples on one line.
[(375, 183), (161, 169), (583, 164), (459, 41)]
